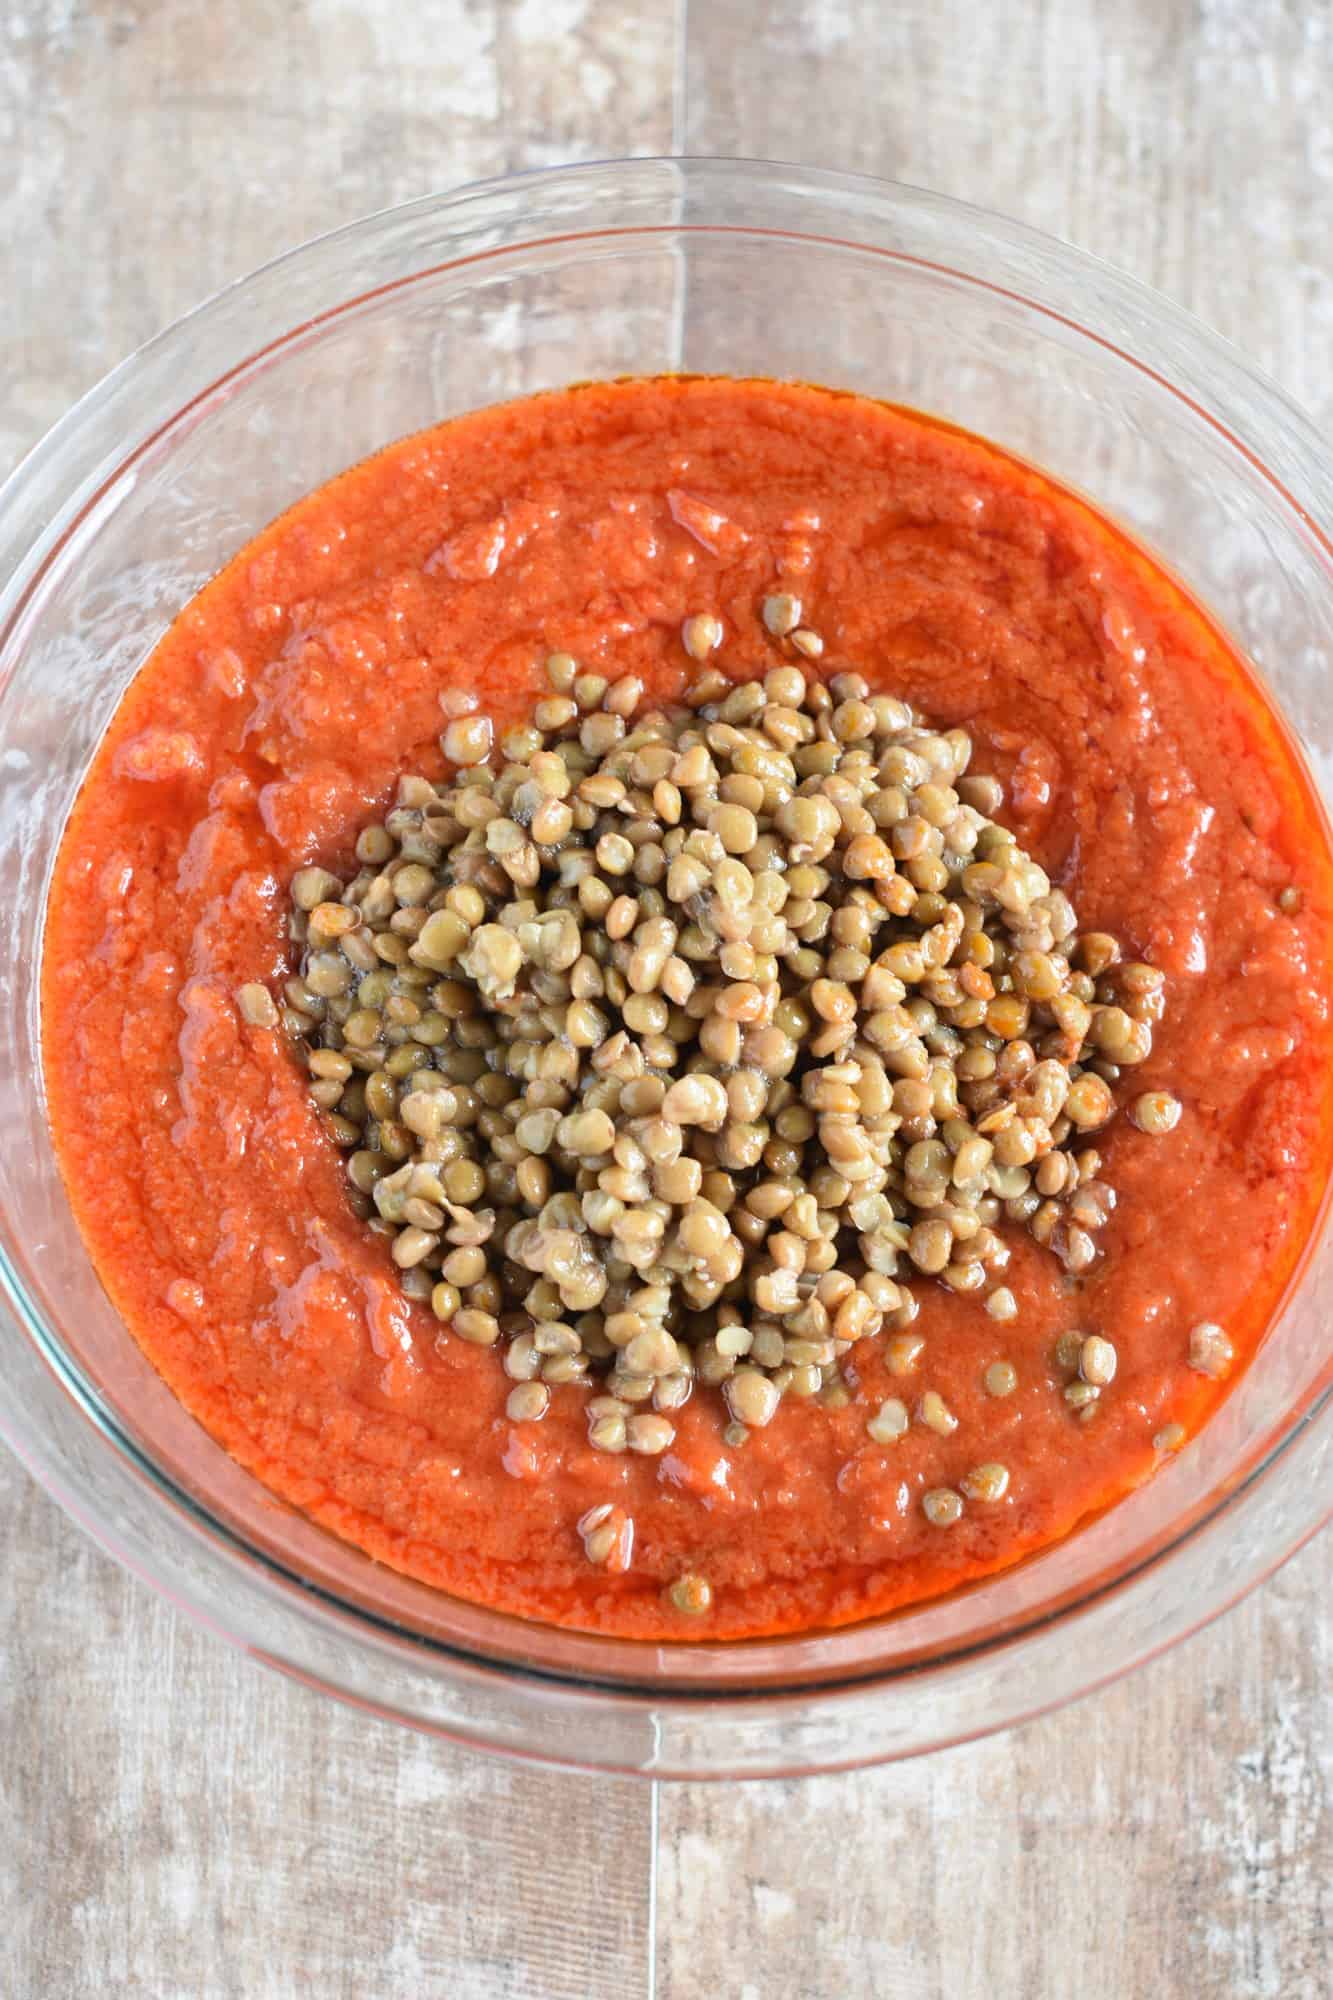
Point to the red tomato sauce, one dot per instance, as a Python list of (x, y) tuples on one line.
[(1144, 770)]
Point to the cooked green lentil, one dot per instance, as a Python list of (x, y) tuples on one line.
[(942, 1507), (691, 1594), (1097, 1361), (902, 1353), (1210, 1350), (668, 1046), (986, 1482), (1001, 1378), (890, 1421), (259, 1008), (934, 1413), (1156, 1112)]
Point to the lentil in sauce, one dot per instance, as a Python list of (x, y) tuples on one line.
[(656, 530)]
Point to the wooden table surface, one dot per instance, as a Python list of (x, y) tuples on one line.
[(180, 1826)]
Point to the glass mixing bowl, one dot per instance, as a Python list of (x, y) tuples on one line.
[(163, 471)]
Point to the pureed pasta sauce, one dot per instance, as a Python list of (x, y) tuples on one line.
[(781, 529)]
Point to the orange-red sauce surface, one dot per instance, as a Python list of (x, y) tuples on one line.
[(1144, 770)]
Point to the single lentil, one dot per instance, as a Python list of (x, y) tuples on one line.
[(691, 1594), (1097, 1361), (1210, 1350), (986, 1482), (701, 635), (935, 1414), (1001, 1378), (890, 1421), (942, 1507), (1156, 1112)]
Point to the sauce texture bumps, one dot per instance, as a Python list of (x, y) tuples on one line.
[(1140, 767)]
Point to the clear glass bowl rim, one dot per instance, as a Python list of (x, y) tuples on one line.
[(56, 470)]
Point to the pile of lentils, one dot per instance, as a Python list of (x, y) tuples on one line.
[(667, 1045)]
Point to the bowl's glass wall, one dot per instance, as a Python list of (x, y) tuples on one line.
[(168, 468)]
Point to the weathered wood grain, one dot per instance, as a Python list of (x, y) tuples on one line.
[(1168, 1836), (1188, 141), (181, 1825), (153, 152)]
